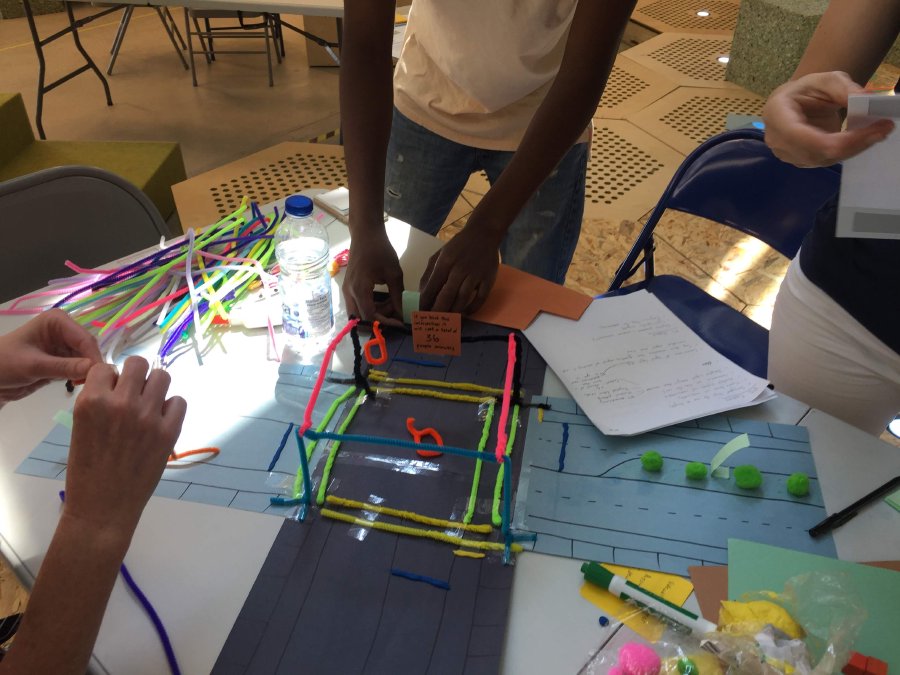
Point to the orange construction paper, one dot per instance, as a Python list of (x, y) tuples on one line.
[(517, 297)]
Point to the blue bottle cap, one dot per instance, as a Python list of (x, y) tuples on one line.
[(298, 205)]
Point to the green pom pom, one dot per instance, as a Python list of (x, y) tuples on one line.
[(652, 461), (747, 477), (798, 484), (686, 666), (695, 470)]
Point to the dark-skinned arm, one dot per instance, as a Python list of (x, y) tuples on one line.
[(366, 94), (460, 276)]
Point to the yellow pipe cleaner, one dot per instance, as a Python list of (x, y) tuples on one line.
[(467, 554), (417, 532), (427, 393), (382, 376), (408, 515)]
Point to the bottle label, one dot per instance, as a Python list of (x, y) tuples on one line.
[(306, 309), (320, 318)]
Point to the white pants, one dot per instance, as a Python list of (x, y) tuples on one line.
[(821, 355)]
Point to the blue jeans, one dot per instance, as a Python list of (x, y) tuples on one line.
[(426, 173)]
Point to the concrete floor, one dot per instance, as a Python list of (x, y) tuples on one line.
[(233, 111)]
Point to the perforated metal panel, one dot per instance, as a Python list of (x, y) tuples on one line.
[(695, 57), (265, 176), (620, 87), (616, 168), (626, 172), (682, 15), (700, 117), (690, 115), (686, 59), (630, 87), (282, 177)]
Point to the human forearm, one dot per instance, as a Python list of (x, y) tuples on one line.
[(366, 105), (565, 112), (68, 600), (366, 109), (852, 36)]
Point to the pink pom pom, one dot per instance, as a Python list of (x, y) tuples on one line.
[(638, 659), (615, 670)]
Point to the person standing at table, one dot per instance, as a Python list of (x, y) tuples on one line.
[(835, 338), (124, 431), (504, 86)]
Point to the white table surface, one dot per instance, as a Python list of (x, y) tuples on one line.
[(334, 8), (197, 562)]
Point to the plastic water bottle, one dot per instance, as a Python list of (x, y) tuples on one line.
[(301, 246)]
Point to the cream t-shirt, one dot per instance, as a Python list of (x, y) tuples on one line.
[(475, 71)]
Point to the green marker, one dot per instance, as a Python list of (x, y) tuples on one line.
[(625, 590)]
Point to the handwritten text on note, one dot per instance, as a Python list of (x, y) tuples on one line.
[(633, 366)]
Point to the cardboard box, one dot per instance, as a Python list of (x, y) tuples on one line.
[(324, 27)]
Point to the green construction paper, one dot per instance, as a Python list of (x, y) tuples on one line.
[(755, 567), (893, 499), (410, 305), (63, 418)]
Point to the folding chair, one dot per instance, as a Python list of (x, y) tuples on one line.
[(733, 179), (87, 215), (168, 23), (250, 25)]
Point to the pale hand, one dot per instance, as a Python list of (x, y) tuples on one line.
[(123, 433), (52, 346), (803, 121)]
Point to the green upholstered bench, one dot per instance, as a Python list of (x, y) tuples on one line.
[(152, 166)]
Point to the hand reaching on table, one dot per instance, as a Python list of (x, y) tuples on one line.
[(372, 261), (52, 346), (460, 276), (124, 431), (803, 121)]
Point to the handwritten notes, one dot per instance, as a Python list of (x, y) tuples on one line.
[(436, 333), (632, 366)]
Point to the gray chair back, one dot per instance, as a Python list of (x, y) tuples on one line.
[(87, 215)]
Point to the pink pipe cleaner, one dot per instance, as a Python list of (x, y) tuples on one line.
[(307, 415), (507, 387)]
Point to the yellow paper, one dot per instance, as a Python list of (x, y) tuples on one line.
[(748, 618), (670, 587)]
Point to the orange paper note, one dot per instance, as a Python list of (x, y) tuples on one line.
[(436, 333), (517, 297)]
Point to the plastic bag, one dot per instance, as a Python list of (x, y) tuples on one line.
[(831, 615), (825, 606)]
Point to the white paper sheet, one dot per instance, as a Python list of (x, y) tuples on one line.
[(633, 366), (869, 205)]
